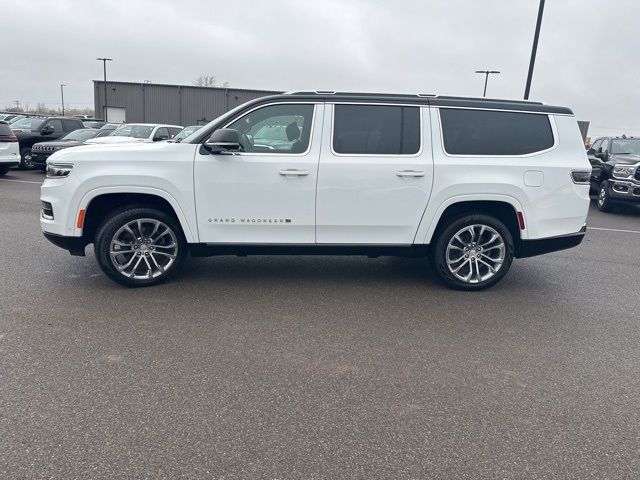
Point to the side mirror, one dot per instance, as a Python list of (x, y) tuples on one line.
[(47, 130), (223, 141)]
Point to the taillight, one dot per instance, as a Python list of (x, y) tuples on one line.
[(8, 138)]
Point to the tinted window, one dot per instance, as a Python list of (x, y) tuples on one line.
[(596, 145), (5, 130), (56, 124), (71, 125), (257, 129), (173, 131), (161, 134), (376, 129), (483, 132)]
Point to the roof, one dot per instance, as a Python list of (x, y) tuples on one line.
[(427, 99)]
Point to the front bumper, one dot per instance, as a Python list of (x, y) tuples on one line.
[(75, 245), (624, 190), (39, 158), (531, 248)]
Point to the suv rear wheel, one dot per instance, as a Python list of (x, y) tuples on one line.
[(473, 252), (140, 247)]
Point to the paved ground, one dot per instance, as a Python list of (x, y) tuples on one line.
[(305, 368)]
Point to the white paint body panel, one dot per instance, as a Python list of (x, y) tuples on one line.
[(9, 152), (362, 200)]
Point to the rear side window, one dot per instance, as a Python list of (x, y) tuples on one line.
[(484, 132), (376, 130), (71, 125)]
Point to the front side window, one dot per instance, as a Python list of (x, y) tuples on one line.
[(284, 128), (376, 130), (486, 132), (56, 124)]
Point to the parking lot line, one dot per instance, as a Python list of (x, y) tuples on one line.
[(18, 181), (613, 230)]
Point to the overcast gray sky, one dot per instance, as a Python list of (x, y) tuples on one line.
[(588, 57)]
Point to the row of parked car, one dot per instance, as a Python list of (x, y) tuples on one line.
[(26, 141)]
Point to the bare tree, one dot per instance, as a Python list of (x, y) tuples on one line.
[(209, 81)]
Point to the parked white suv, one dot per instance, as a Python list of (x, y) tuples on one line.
[(137, 133), (471, 183), (9, 148)]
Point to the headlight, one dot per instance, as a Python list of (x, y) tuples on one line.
[(57, 170), (624, 171)]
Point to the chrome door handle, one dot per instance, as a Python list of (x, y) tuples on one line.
[(410, 173), (294, 172)]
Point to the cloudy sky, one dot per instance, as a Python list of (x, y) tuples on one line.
[(588, 58)]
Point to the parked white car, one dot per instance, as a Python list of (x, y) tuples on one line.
[(9, 148), (137, 133), (470, 183)]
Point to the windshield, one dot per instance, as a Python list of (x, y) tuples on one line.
[(28, 123), (629, 146), (80, 135), (186, 131), (135, 131)]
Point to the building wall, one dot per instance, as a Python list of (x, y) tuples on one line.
[(173, 104)]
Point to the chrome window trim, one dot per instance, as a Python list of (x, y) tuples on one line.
[(552, 123), (269, 154), (377, 155)]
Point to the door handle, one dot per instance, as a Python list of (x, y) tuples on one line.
[(410, 173), (294, 172)]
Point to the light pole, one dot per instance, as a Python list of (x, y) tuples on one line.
[(486, 78), (104, 66), (62, 85), (534, 50)]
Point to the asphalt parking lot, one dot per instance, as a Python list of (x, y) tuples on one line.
[(325, 367)]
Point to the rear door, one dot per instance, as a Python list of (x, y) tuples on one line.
[(375, 174)]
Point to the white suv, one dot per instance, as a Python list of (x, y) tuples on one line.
[(9, 148), (470, 183)]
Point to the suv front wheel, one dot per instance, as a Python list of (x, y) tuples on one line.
[(473, 252), (140, 247), (25, 159)]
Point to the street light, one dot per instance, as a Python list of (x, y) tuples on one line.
[(534, 50), (104, 66), (62, 85), (486, 78)]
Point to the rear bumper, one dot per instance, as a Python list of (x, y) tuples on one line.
[(75, 245), (531, 248)]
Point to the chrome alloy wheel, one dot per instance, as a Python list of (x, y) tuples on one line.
[(144, 248), (602, 196), (475, 253)]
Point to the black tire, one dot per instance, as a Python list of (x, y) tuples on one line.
[(604, 199), (4, 170), (25, 159), (114, 223), (444, 236)]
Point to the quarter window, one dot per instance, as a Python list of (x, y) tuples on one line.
[(283, 129), (485, 132), (376, 130)]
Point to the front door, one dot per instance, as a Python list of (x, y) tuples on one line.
[(375, 174), (266, 192)]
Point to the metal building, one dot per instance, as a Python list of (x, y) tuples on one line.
[(160, 103)]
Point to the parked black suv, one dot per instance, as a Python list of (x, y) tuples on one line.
[(32, 130), (615, 174), (43, 150)]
